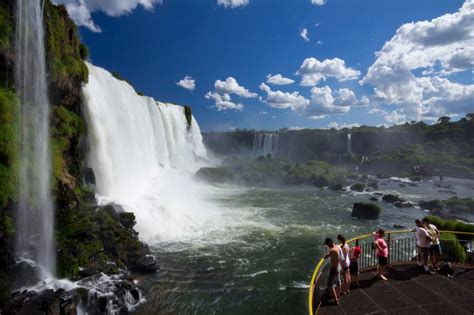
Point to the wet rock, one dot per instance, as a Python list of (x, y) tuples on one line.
[(374, 199), (373, 184), (146, 264), (44, 302), (366, 210), (398, 226), (127, 219), (359, 187), (397, 201), (432, 205), (89, 176)]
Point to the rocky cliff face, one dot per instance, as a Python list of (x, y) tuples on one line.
[(89, 238)]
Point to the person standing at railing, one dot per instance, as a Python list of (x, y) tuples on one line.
[(334, 278), (354, 267), (345, 264), (423, 243), (435, 248), (382, 253)]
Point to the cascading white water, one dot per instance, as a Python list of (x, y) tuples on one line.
[(265, 143), (144, 155), (349, 143), (35, 215)]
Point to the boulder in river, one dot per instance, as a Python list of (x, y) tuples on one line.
[(359, 187), (396, 201), (366, 210)]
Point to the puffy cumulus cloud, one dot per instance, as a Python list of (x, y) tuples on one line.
[(230, 86), (335, 125), (278, 79), (223, 91), (435, 49), (80, 10), (223, 102), (319, 2), (313, 71), (279, 99), (187, 83), (304, 34), (324, 102), (232, 3), (395, 118)]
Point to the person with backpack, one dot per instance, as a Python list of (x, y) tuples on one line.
[(382, 253), (345, 264)]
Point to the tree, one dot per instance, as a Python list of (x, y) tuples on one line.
[(470, 116), (444, 120)]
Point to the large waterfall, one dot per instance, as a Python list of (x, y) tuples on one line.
[(35, 216), (143, 155), (265, 143)]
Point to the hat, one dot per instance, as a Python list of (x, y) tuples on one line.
[(328, 240)]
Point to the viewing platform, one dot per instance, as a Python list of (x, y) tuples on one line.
[(408, 289)]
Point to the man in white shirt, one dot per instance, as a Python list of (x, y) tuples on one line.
[(423, 243)]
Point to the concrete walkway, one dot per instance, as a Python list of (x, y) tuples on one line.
[(409, 292)]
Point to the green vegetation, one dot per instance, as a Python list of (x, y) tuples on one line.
[(9, 147), (189, 115), (452, 248), (83, 51), (64, 52), (366, 210), (266, 170), (451, 225), (359, 187), (6, 29), (454, 204), (67, 128)]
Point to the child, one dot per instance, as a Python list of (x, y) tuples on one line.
[(382, 253), (354, 267)]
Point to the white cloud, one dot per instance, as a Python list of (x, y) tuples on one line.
[(324, 102), (335, 125), (319, 42), (231, 86), (80, 10), (278, 79), (223, 102), (187, 83), (223, 91), (319, 2), (313, 71), (435, 49), (232, 3), (279, 99), (304, 34), (395, 118)]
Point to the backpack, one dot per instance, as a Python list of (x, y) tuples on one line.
[(447, 269)]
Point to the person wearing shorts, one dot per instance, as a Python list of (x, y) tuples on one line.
[(345, 264), (382, 253), (435, 248), (354, 267), (334, 278), (423, 243)]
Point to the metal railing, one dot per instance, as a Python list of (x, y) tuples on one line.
[(456, 247)]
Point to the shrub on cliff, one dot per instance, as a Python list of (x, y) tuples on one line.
[(366, 210), (359, 187)]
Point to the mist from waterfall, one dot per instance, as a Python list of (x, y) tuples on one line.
[(144, 156), (35, 213), (265, 143)]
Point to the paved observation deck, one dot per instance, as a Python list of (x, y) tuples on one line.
[(409, 291)]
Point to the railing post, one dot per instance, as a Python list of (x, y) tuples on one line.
[(388, 247)]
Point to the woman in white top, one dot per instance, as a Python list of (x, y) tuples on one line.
[(345, 264), (435, 248)]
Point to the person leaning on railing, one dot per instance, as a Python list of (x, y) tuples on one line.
[(334, 278), (382, 253)]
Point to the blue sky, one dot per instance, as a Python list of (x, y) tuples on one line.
[(155, 45)]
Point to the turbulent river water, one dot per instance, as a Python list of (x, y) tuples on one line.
[(260, 257)]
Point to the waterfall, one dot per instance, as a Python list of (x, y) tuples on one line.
[(265, 143), (144, 156), (349, 143), (35, 214)]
